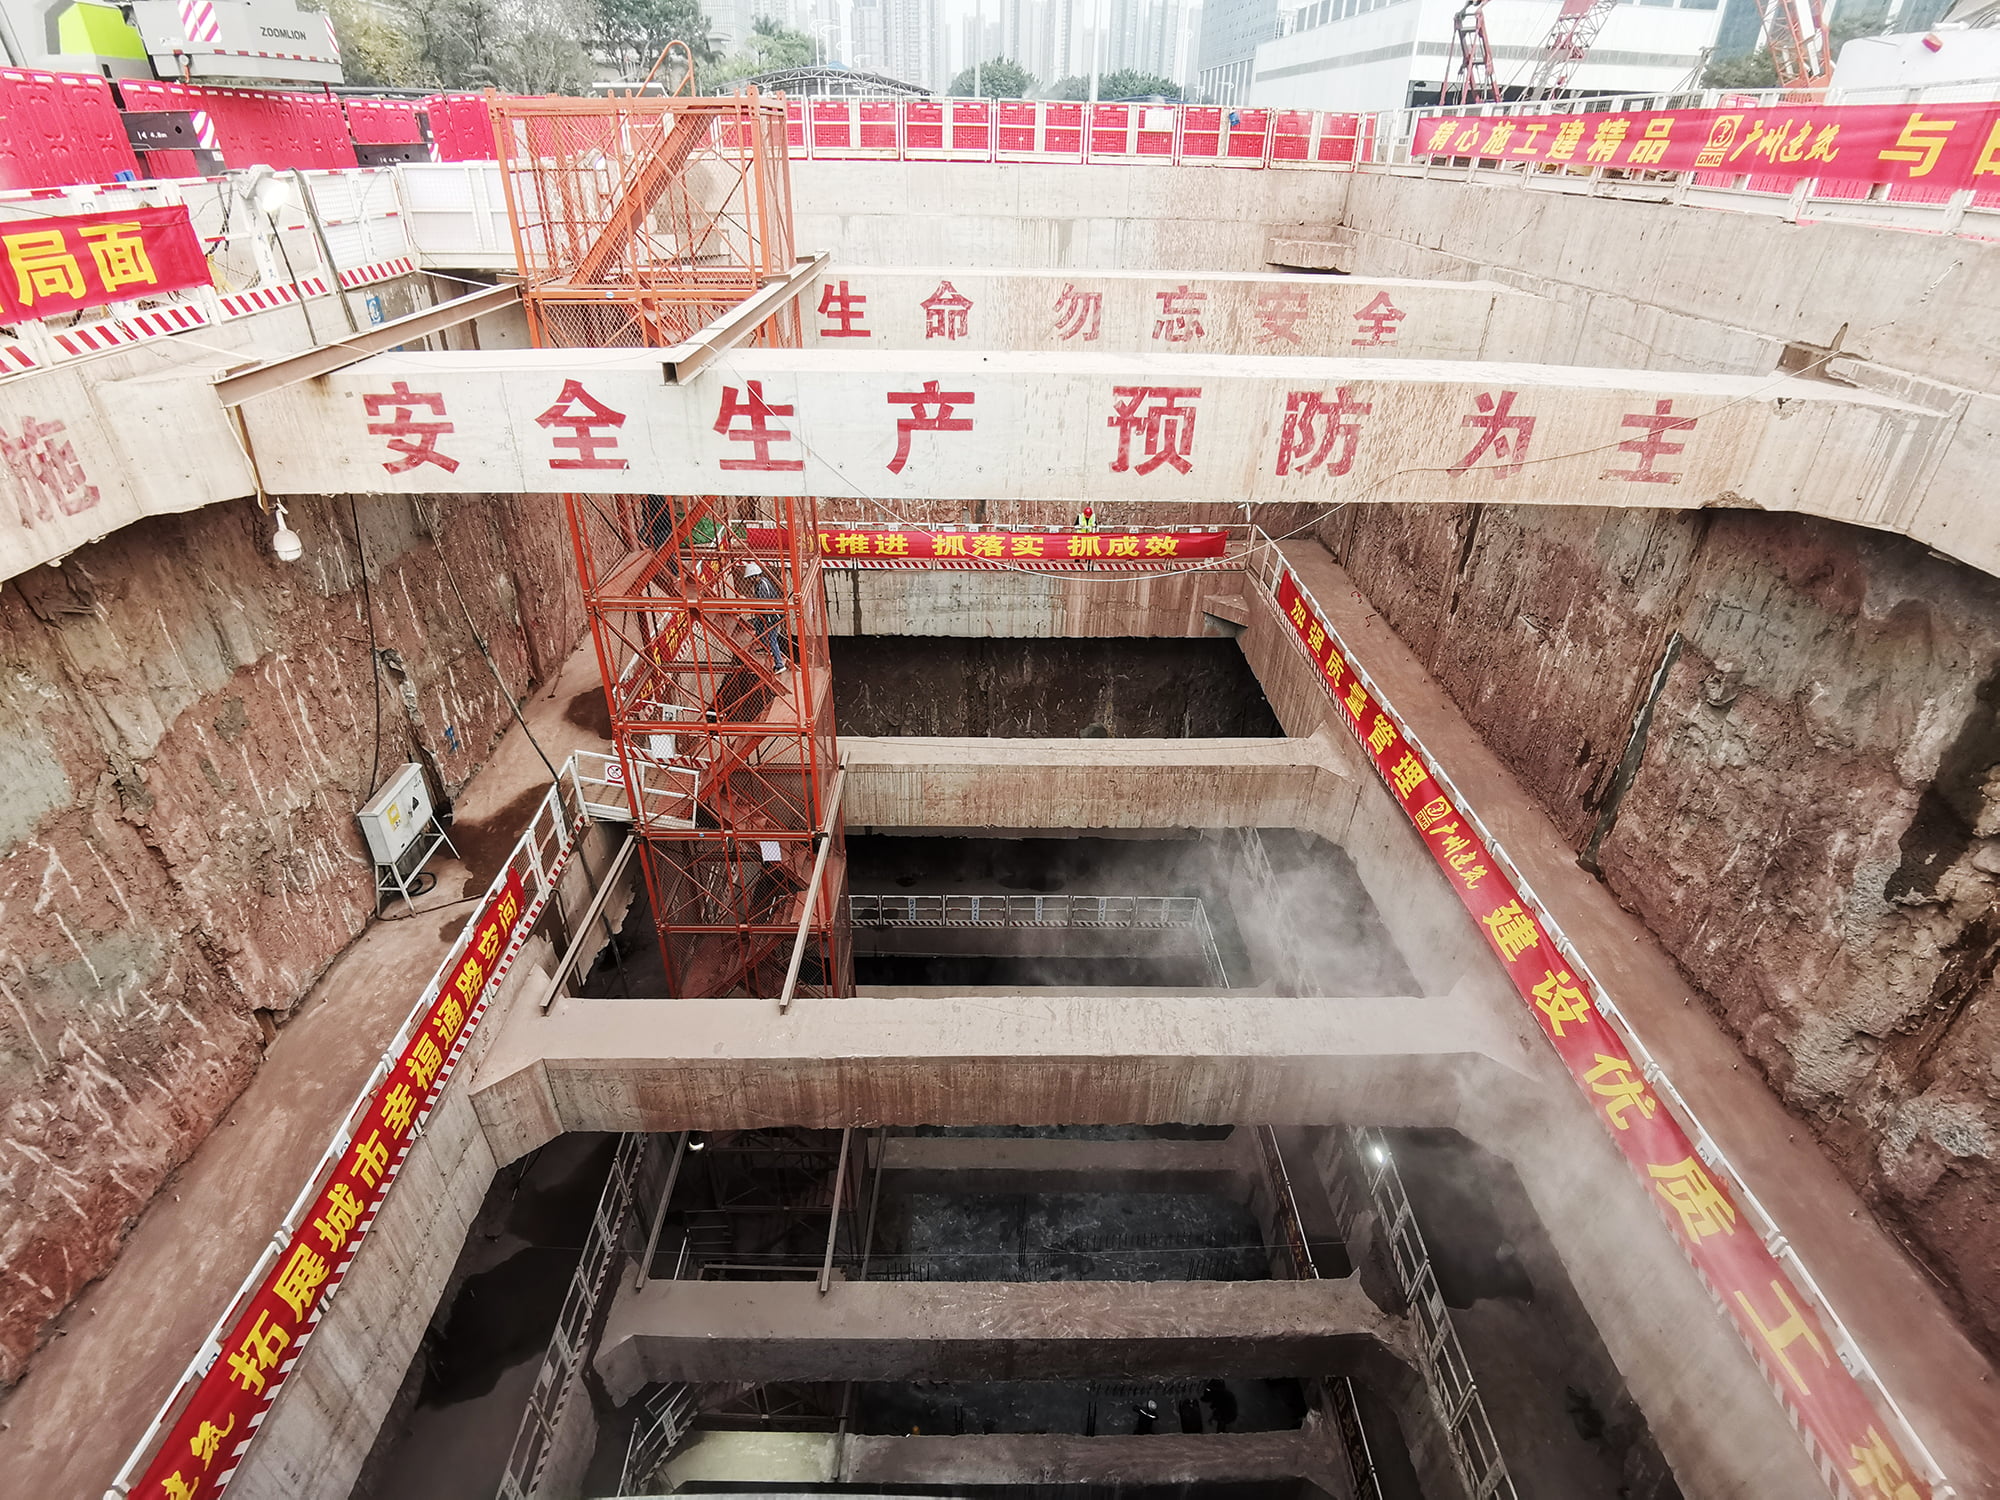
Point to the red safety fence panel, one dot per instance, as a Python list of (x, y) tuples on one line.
[(384, 122), (972, 128), (57, 129), (285, 130), (876, 126), (1201, 132), (461, 128), (1339, 138), (795, 124), (1014, 132), (1062, 130), (1110, 130), (1291, 135), (140, 98), (832, 125), (923, 125), (1246, 134)]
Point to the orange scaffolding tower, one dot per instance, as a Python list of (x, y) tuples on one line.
[(636, 222)]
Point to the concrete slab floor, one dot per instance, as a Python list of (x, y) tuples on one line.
[(1945, 1386), (91, 1391)]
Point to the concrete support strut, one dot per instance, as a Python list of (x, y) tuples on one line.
[(983, 1331), (937, 425)]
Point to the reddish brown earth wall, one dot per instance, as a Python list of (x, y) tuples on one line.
[(186, 728), (1811, 830)]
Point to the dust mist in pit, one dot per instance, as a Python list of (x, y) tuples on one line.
[(1058, 688), (931, 909)]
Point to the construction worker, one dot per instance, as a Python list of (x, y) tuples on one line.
[(1086, 519), (760, 585)]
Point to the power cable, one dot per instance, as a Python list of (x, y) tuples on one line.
[(479, 640), (374, 658)]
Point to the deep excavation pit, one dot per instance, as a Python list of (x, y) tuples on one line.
[(1061, 688), (954, 1208)]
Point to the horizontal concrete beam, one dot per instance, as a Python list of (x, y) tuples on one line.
[(1092, 426), (1167, 1457), (660, 1065), (1167, 312), (998, 783), (994, 1330), (983, 1164)]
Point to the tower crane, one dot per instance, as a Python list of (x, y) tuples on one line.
[(1474, 53), (1795, 32), (1576, 28)]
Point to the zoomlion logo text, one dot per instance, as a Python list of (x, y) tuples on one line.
[(279, 31)]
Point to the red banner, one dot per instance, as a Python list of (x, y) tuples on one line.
[(1776, 1319), (1947, 146), (202, 1450), (63, 265), (1025, 547)]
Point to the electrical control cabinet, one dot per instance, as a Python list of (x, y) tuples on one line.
[(397, 815)]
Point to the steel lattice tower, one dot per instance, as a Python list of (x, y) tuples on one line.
[(636, 222)]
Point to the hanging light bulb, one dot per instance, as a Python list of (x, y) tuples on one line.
[(285, 541)]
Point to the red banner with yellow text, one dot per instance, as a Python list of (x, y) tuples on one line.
[(1947, 146), (202, 1449), (1784, 1332), (63, 265), (1026, 547)]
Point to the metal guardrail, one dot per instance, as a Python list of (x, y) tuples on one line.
[(1026, 911), (666, 1417), (1336, 1392), (1440, 1360), (1156, 913), (528, 1459)]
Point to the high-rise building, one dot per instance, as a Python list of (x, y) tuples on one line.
[(1230, 32), (865, 46), (915, 45)]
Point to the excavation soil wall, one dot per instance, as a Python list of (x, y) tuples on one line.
[(1808, 820), (186, 728)]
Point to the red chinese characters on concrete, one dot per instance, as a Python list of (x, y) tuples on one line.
[(1653, 446), (843, 309), (1502, 432), (946, 313), (1159, 418), (1079, 315), (1279, 314), (931, 410), (49, 481), (1179, 321), (416, 442), (583, 414), (1377, 322), (757, 429), (1320, 434)]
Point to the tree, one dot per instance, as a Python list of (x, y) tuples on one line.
[(376, 50), (771, 47), (1750, 70), (1002, 78), (630, 34), (1755, 70), (1126, 83)]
